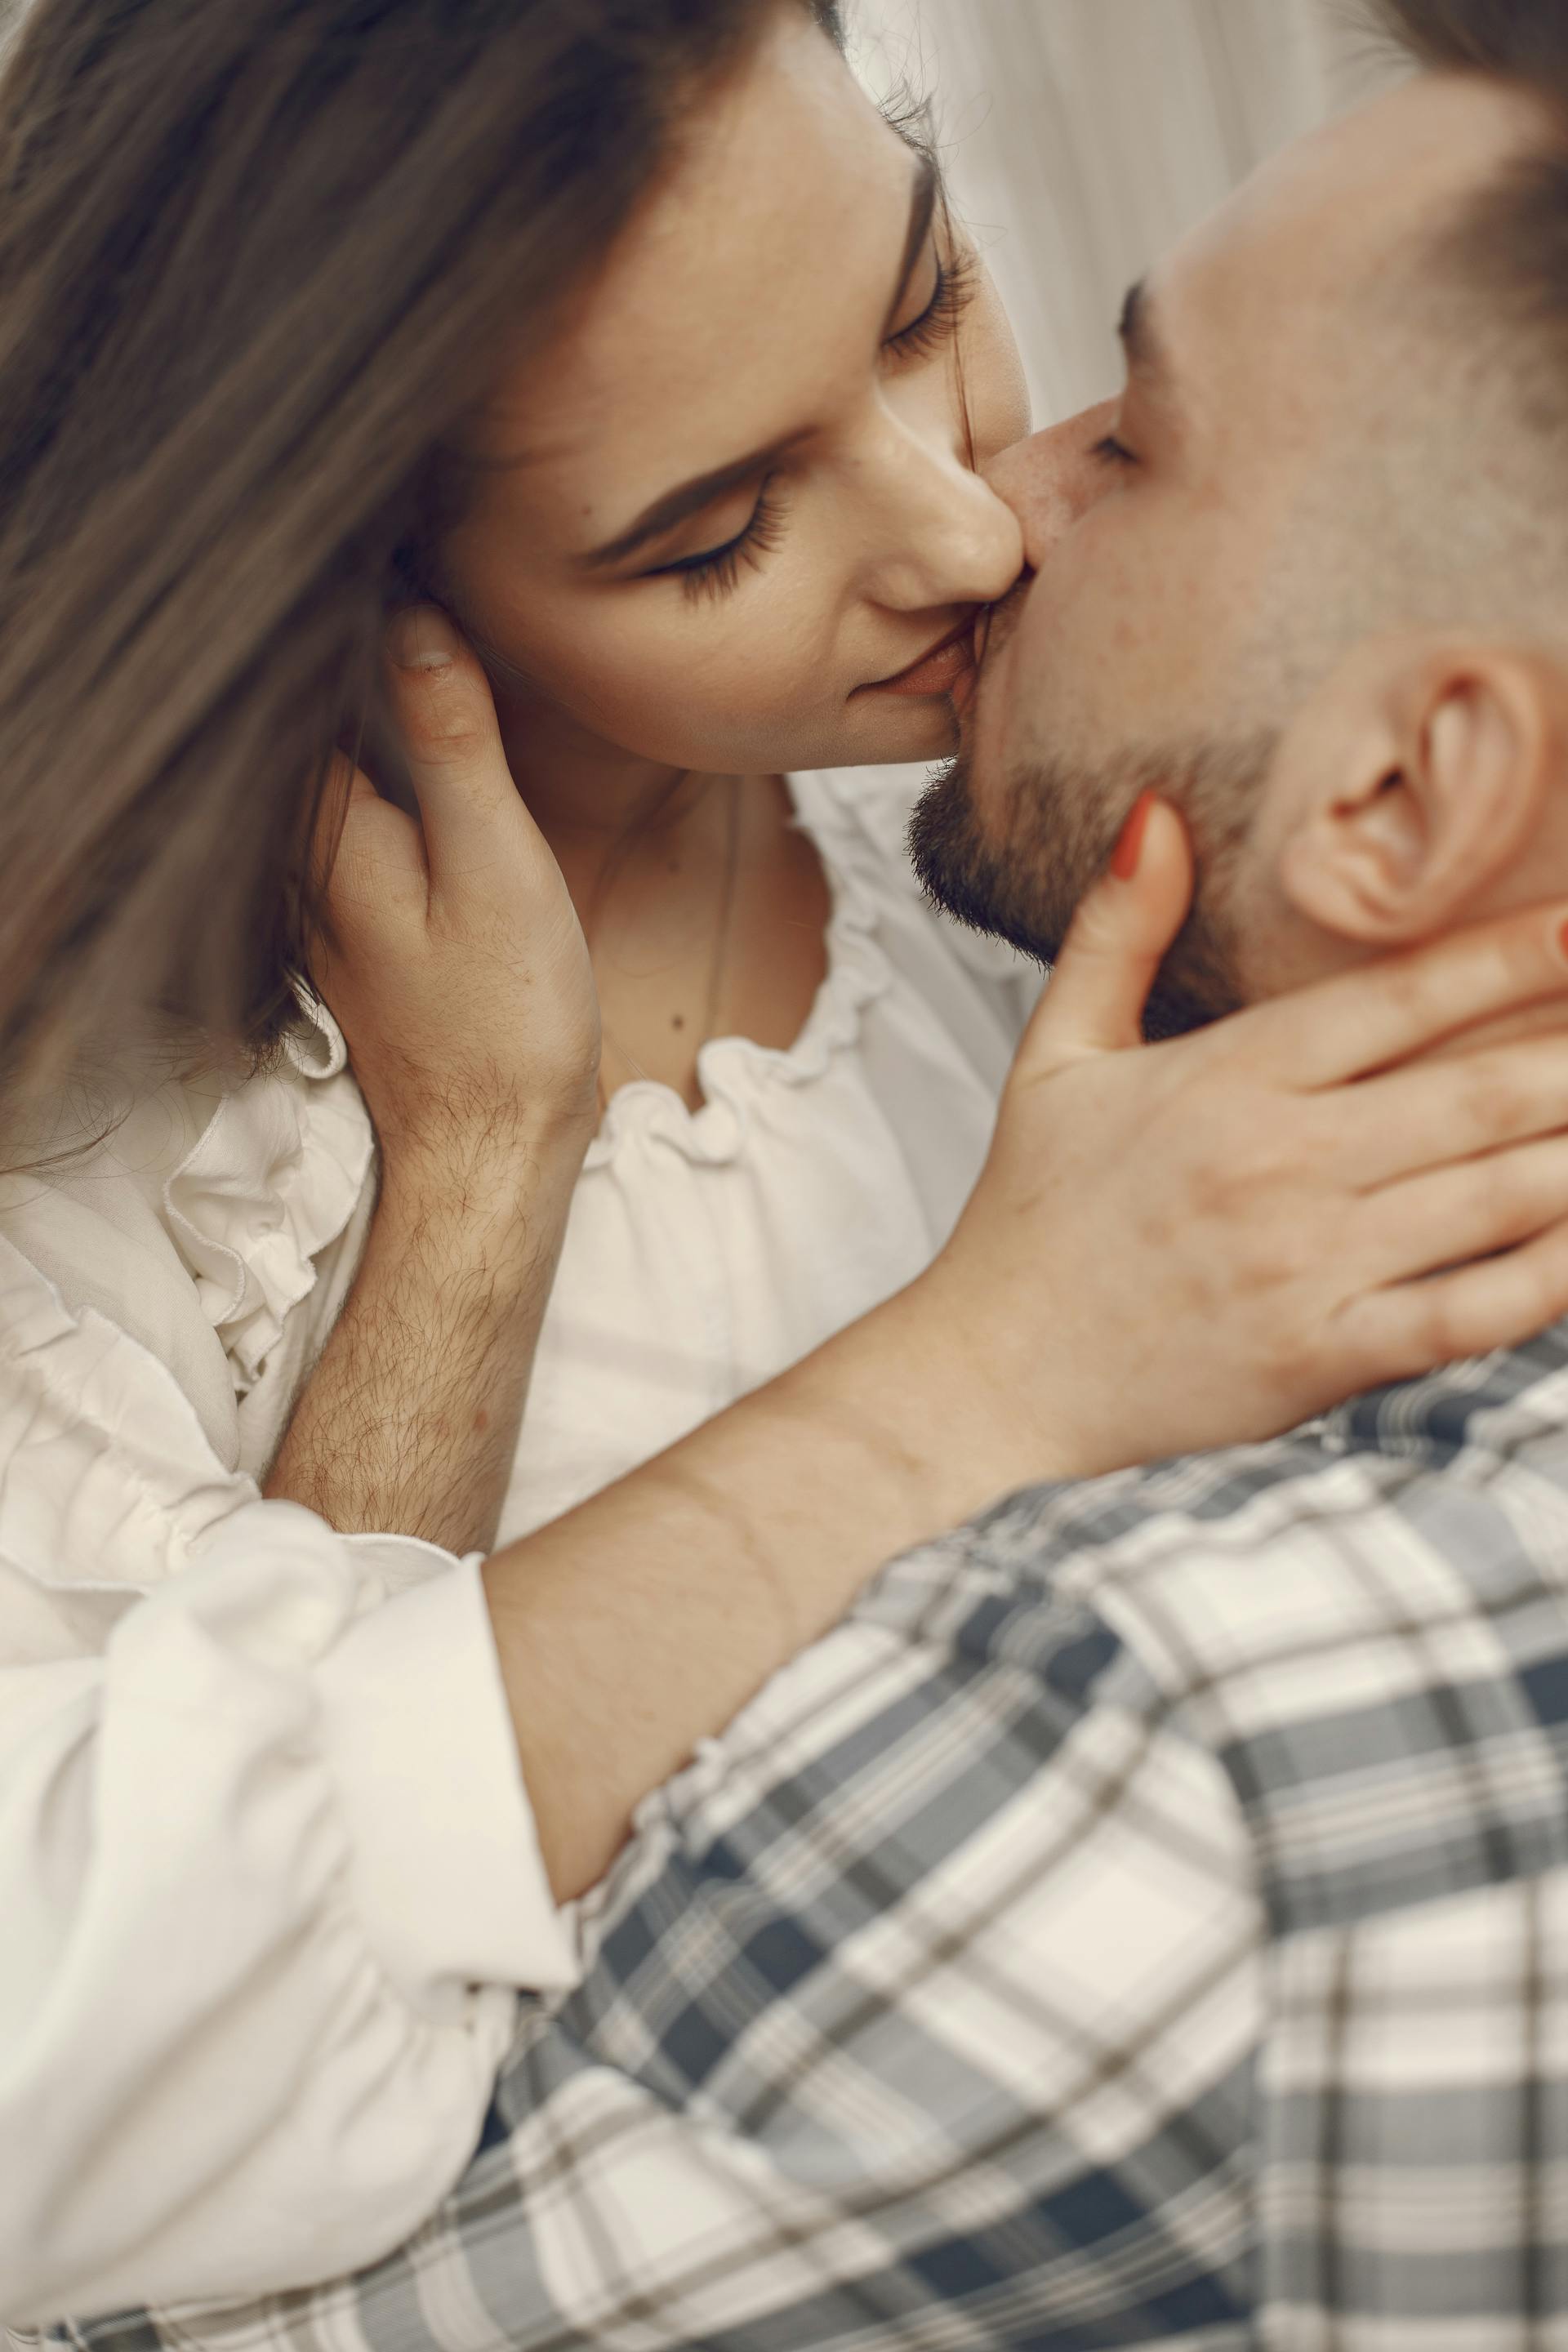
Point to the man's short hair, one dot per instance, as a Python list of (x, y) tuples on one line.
[(1525, 39), (1507, 250), (1516, 241)]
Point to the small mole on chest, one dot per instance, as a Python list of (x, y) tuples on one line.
[(679, 1021)]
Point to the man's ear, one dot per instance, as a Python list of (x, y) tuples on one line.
[(1413, 783)]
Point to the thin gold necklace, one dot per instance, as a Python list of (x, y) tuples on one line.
[(718, 965)]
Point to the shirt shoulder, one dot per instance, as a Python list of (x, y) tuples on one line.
[(1367, 1628)]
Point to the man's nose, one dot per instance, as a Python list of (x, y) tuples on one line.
[(1051, 480)]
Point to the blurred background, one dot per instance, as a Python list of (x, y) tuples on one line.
[(1083, 136)]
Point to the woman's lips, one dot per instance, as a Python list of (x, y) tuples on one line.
[(967, 686), (938, 669)]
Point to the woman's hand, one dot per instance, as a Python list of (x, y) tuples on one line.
[(454, 961), (1204, 1242), (1172, 1247)]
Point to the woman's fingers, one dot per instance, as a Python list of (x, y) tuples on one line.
[(1362, 1021), (1122, 929), (1449, 1216), (1502, 1302), (469, 802), (1439, 1112)]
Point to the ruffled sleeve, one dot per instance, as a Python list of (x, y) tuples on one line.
[(274, 1179), (268, 1871), (107, 1476)]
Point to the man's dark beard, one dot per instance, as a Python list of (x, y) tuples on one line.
[(1053, 836)]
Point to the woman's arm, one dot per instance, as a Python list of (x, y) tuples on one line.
[(269, 1886), (268, 1872), (455, 961), (1171, 1248)]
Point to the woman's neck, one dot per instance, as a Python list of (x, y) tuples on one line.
[(705, 909)]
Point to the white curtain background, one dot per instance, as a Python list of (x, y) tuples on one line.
[(1083, 136)]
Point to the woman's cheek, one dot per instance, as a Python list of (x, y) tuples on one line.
[(691, 682), (606, 654)]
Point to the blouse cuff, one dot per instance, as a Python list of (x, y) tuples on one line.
[(448, 1878)]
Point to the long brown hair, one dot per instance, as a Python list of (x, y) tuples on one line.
[(256, 260)]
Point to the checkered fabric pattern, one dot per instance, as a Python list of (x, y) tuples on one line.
[(1145, 1922)]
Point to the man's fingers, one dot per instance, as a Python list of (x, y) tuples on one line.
[(1435, 1113), (366, 856), (1362, 1021), (447, 717), (1122, 929)]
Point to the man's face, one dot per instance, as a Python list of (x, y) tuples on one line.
[(1197, 555)]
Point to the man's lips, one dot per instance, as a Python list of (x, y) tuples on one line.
[(939, 667)]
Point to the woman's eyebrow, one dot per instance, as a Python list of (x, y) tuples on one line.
[(688, 499), (678, 505)]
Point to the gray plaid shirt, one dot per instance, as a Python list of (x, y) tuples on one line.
[(1144, 1922)]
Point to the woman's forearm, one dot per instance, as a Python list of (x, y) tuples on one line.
[(642, 1621), (409, 1423)]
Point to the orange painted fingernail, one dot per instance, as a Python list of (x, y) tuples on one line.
[(1125, 857)]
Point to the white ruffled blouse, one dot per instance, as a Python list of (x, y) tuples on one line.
[(268, 1872), (708, 1250)]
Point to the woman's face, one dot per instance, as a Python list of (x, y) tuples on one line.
[(739, 495)]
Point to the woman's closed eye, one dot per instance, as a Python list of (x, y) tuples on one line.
[(956, 284), (716, 571)]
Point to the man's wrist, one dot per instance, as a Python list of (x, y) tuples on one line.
[(492, 1207)]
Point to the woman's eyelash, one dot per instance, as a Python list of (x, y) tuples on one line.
[(717, 572), (1112, 452), (957, 282)]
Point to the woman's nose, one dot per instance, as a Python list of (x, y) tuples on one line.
[(1050, 481), (949, 539)]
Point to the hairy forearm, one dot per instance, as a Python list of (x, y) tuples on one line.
[(641, 1623), (409, 1423)]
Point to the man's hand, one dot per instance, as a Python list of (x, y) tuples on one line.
[(453, 959), (451, 956)]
